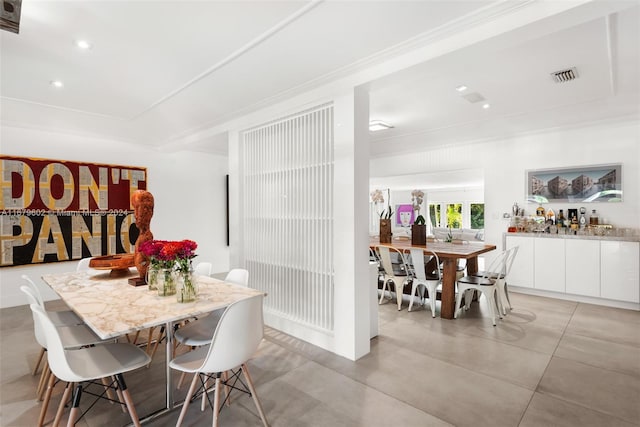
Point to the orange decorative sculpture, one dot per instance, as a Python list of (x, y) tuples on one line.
[(142, 202)]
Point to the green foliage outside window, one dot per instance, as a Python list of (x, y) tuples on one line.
[(477, 216), (454, 215), (434, 214)]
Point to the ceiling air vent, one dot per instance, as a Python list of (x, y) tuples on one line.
[(10, 15), (565, 75)]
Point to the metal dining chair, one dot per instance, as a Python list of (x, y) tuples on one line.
[(420, 279)]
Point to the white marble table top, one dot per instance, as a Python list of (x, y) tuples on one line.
[(112, 307)]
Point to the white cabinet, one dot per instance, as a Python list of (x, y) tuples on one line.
[(582, 267), (521, 273), (549, 267), (619, 275)]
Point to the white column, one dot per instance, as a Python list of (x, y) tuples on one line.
[(351, 236)]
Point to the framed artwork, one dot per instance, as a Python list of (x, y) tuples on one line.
[(585, 184), (404, 215), (58, 210)]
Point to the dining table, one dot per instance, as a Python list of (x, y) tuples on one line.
[(112, 308), (449, 253)]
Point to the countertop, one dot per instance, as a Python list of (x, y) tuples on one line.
[(611, 237)]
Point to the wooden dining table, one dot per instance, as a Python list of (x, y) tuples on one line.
[(111, 307), (449, 254)]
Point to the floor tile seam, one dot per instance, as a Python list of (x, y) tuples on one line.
[(369, 386), (590, 408), (583, 335), (580, 362)]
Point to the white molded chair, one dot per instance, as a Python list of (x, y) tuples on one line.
[(384, 254), (83, 264), (74, 336), (484, 284), (88, 364), (204, 269), (421, 278), (58, 317), (199, 332), (235, 339)]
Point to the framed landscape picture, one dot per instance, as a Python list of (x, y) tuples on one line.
[(585, 184)]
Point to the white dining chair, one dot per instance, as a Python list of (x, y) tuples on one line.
[(420, 278), (235, 339), (203, 269), (502, 292), (72, 337), (199, 332), (83, 264), (88, 365), (390, 275), (484, 284), (58, 317)]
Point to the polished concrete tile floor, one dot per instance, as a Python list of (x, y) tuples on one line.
[(548, 363)]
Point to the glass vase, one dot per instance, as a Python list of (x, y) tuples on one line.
[(186, 286), (152, 277), (166, 282)]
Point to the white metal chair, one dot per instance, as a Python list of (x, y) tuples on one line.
[(420, 277), (204, 269), (398, 280), (235, 339), (501, 280), (484, 284), (88, 364)]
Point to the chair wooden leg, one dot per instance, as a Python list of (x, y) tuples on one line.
[(46, 374), (63, 401), (181, 379), (245, 371), (47, 398), (227, 389), (120, 398), (216, 401), (127, 399), (75, 406), (40, 356), (205, 391), (187, 399), (155, 346)]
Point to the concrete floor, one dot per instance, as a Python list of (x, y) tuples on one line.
[(548, 363)]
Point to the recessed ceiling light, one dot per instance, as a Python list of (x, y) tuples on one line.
[(461, 88), (83, 44), (376, 125), (56, 83), (486, 106)]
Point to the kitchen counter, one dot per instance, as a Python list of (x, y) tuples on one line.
[(625, 238)]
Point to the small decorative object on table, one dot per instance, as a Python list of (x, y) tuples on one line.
[(142, 202), (170, 270), (419, 231), (385, 225)]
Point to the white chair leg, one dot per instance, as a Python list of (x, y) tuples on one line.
[(433, 293), (490, 297), (458, 301), (414, 288), (399, 294)]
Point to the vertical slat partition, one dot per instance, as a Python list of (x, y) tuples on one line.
[(287, 215)]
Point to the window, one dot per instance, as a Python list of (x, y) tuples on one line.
[(477, 216), (454, 215), (434, 215)]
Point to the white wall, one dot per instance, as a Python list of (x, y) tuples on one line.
[(188, 188), (506, 160)]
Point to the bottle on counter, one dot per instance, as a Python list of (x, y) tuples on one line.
[(582, 220), (593, 219), (560, 219), (551, 217), (540, 211)]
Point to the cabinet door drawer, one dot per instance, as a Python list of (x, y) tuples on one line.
[(619, 271), (583, 267), (549, 269)]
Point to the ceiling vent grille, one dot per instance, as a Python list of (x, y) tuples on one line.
[(565, 75)]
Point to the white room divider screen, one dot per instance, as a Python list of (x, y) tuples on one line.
[(287, 176)]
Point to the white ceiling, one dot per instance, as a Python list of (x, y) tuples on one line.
[(160, 71)]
